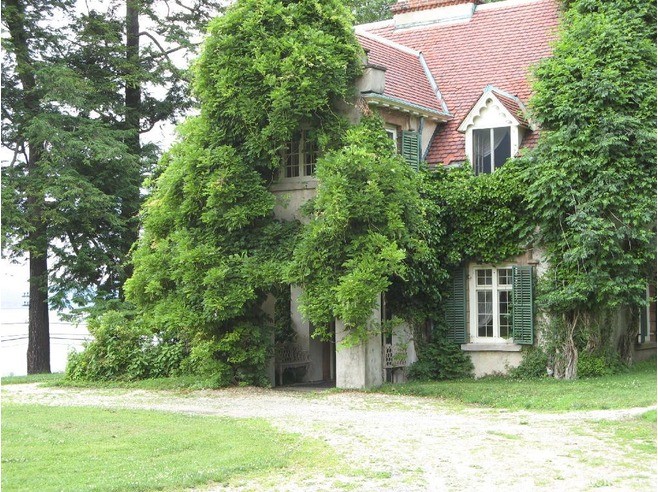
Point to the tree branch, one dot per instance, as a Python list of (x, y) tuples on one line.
[(157, 43)]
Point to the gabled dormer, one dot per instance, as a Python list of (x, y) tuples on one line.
[(494, 129)]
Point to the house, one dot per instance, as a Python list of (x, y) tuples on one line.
[(450, 79)]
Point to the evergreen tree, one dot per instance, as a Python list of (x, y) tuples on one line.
[(74, 104)]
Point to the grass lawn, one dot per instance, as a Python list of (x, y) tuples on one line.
[(635, 388), (69, 448)]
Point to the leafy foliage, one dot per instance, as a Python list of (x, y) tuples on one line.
[(211, 249), (595, 100), (464, 218), (533, 364), (359, 233), (370, 10), (440, 360), (124, 349)]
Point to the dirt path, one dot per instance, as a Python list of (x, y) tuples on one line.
[(406, 443)]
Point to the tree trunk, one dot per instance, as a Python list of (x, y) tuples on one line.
[(133, 96), (628, 337), (38, 348), (566, 361)]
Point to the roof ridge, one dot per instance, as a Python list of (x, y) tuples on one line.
[(387, 42), (505, 4)]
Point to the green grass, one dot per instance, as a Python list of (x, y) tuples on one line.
[(68, 448), (635, 388), (637, 434), (34, 378)]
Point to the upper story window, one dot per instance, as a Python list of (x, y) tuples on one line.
[(491, 148), (300, 155), (392, 133), (493, 130)]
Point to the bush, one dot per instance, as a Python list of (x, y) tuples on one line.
[(123, 349), (440, 359), (236, 357), (533, 365), (592, 365)]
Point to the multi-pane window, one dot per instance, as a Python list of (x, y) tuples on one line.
[(300, 155), (492, 302), (491, 148)]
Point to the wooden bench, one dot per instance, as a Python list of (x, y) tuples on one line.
[(290, 355)]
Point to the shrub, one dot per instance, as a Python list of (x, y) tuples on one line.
[(441, 359), (533, 365), (591, 365), (123, 349)]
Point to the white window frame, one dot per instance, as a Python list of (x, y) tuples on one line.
[(392, 132), (492, 156), (298, 149), (489, 113), (495, 288)]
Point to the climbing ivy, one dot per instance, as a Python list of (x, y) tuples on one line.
[(591, 180), (360, 232)]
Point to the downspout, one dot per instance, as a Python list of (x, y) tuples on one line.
[(421, 125)]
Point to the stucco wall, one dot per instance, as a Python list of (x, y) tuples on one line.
[(490, 361), (359, 366)]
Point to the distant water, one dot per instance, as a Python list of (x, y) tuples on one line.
[(64, 336)]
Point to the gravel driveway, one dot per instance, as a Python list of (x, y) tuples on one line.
[(406, 443)]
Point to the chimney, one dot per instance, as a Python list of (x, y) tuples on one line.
[(409, 13)]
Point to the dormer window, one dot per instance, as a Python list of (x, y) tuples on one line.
[(494, 129), (300, 155), (491, 148)]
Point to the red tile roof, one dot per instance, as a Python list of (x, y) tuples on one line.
[(406, 78), (495, 47)]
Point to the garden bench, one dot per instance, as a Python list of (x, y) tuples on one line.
[(290, 355)]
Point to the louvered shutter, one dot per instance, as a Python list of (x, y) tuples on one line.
[(644, 324), (455, 308), (522, 305), (411, 148)]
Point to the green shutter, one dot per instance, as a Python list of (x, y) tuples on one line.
[(644, 324), (522, 305), (411, 148), (455, 308)]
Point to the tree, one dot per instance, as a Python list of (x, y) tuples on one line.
[(591, 180), (365, 11), (74, 104)]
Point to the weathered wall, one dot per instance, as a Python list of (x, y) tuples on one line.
[(360, 366), (493, 360)]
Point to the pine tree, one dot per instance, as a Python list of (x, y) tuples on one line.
[(74, 102)]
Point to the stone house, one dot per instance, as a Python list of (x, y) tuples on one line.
[(450, 79)]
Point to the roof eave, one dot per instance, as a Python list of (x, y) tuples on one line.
[(406, 107)]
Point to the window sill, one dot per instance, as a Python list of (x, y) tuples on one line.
[(291, 184), (491, 347)]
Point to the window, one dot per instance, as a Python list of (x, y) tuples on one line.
[(300, 155), (500, 300), (491, 301), (491, 148), (392, 133)]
